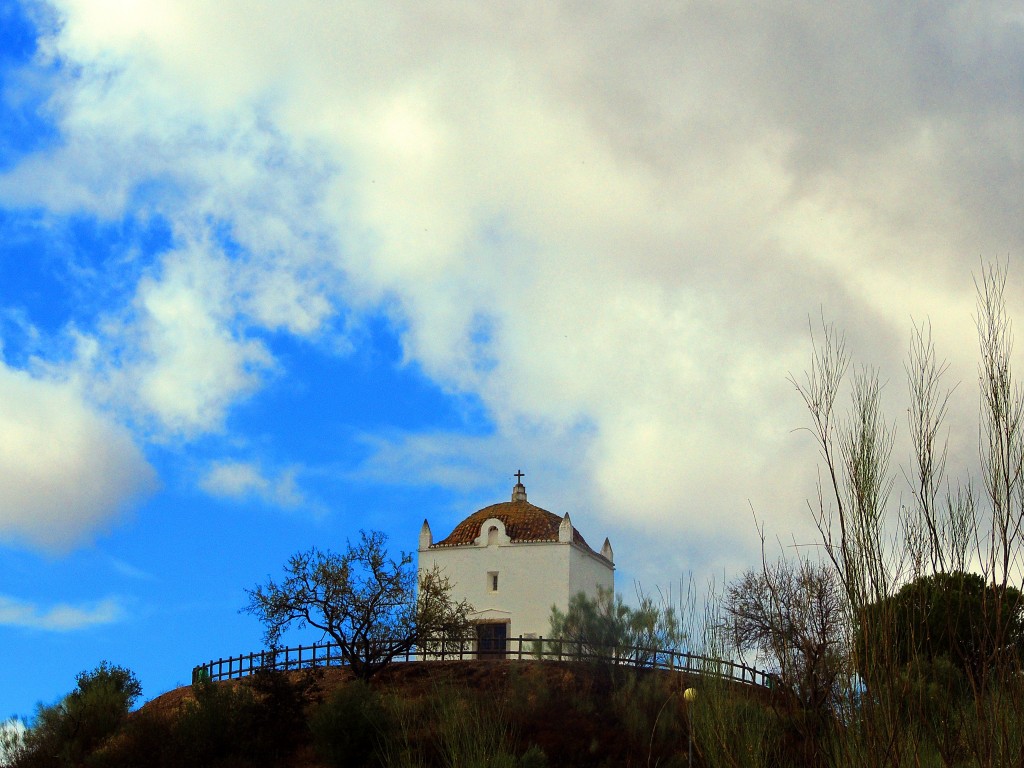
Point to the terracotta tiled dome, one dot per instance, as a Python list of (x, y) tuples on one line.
[(523, 521)]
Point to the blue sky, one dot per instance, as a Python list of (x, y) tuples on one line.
[(272, 273)]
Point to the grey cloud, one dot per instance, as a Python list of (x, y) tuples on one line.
[(603, 214)]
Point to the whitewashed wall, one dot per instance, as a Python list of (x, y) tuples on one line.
[(531, 578)]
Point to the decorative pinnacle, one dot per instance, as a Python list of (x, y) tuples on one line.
[(519, 492)]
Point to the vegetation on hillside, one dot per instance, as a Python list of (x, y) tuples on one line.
[(445, 714), (918, 645), (901, 646), (67, 732)]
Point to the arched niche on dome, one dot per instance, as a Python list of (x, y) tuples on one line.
[(492, 533)]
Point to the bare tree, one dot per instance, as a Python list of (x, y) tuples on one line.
[(850, 514), (791, 615), (369, 604), (1002, 425)]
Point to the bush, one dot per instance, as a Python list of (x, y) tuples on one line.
[(65, 733), (651, 716), (474, 730), (346, 727), (260, 722), (279, 717), (956, 616), (236, 724), (147, 739), (534, 757)]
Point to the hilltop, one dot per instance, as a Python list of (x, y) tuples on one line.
[(488, 713)]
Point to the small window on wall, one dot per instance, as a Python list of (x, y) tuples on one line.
[(492, 581)]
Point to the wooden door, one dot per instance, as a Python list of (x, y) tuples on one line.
[(491, 640)]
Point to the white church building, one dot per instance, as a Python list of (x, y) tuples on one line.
[(512, 562)]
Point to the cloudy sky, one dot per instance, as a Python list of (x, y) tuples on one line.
[(274, 272)]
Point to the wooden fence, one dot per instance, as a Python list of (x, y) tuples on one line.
[(515, 649)]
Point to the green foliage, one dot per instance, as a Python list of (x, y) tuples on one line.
[(474, 731), (454, 727), (534, 757), (370, 604), (346, 728), (258, 723), (604, 627), (64, 733), (732, 729), (496, 716), (118, 681), (217, 726), (953, 616), (145, 739), (651, 712), (279, 717)]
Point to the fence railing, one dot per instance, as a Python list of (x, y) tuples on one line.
[(515, 649)]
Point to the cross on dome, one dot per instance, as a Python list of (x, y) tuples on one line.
[(519, 492)]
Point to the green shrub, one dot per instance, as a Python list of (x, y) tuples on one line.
[(534, 757), (346, 727), (473, 730), (146, 739), (650, 714), (65, 733), (279, 715), (733, 729), (257, 723), (209, 729)]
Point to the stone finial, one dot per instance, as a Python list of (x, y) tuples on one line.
[(565, 530), (426, 537), (519, 491), (606, 551)]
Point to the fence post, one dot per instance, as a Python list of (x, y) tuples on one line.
[(678, 661)]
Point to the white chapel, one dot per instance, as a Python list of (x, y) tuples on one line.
[(513, 561)]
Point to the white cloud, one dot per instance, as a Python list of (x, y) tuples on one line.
[(66, 469), (191, 364), (62, 617), (612, 216), (239, 480)]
